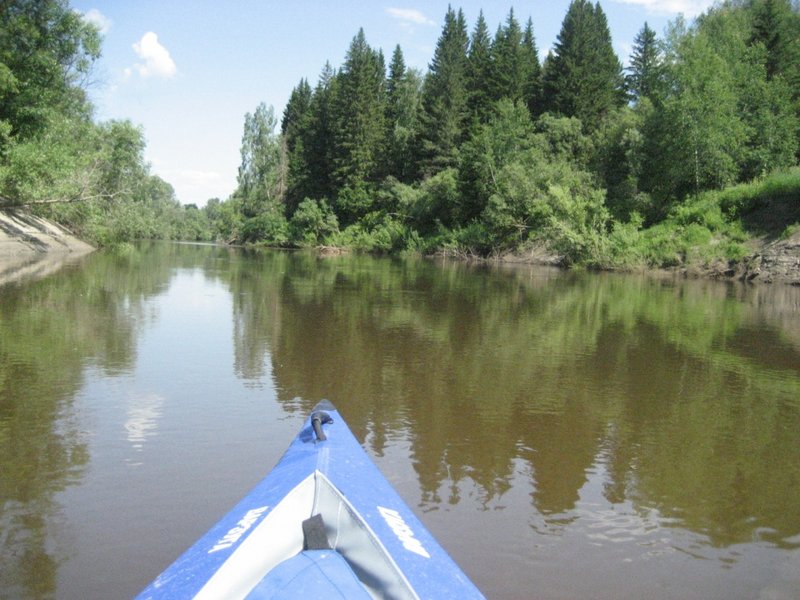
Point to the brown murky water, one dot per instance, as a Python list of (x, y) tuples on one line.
[(563, 435)]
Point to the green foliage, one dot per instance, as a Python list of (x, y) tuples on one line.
[(645, 77), (445, 97), (270, 228), (537, 199), (312, 222), (404, 97), (376, 233), (487, 151), (583, 77), (434, 205), (46, 53), (261, 176), (565, 139), (353, 203), (618, 160), (508, 134), (478, 72), (359, 113)]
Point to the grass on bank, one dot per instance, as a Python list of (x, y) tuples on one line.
[(712, 226)]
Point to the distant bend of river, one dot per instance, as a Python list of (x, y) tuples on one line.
[(564, 435)]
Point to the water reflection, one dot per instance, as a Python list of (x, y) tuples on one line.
[(52, 330), (143, 415), (532, 415), (688, 393)]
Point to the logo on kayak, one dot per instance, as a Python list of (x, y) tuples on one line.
[(245, 523), (403, 531)]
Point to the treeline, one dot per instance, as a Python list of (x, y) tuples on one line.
[(54, 158), (492, 150), (489, 150)]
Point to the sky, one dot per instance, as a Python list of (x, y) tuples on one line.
[(187, 71)]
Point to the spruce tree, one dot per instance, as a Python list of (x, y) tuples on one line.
[(359, 115), (479, 71), (532, 71), (318, 139), (646, 73), (583, 76), (296, 108), (769, 28), (294, 129), (508, 67), (397, 70), (445, 97), (403, 101)]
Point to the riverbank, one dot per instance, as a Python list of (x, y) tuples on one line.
[(33, 247), (770, 261)]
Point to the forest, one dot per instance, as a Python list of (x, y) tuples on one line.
[(684, 156)]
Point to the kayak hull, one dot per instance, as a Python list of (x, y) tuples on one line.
[(361, 517)]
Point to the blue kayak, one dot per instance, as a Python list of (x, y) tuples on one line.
[(323, 524)]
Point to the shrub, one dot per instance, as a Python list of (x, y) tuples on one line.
[(270, 228), (312, 222)]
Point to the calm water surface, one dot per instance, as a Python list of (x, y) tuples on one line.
[(563, 435)]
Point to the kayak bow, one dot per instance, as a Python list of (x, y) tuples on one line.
[(324, 523)]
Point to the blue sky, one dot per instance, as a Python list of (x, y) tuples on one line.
[(188, 71)]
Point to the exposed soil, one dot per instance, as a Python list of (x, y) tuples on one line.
[(32, 246), (775, 262)]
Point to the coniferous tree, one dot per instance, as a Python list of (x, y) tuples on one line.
[(403, 102), (445, 96), (318, 139), (646, 73), (583, 76), (772, 28), (296, 109), (479, 72), (294, 130), (508, 74), (397, 70), (359, 125), (532, 71)]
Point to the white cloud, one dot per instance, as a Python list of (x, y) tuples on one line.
[(688, 8), (157, 61), (409, 16), (95, 17)]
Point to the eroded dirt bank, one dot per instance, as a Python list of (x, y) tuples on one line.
[(32, 246)]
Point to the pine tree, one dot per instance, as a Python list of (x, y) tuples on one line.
[(445, 96), (583, 77), (646, 73)]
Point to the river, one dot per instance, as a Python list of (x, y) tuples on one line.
[(564, 435)]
